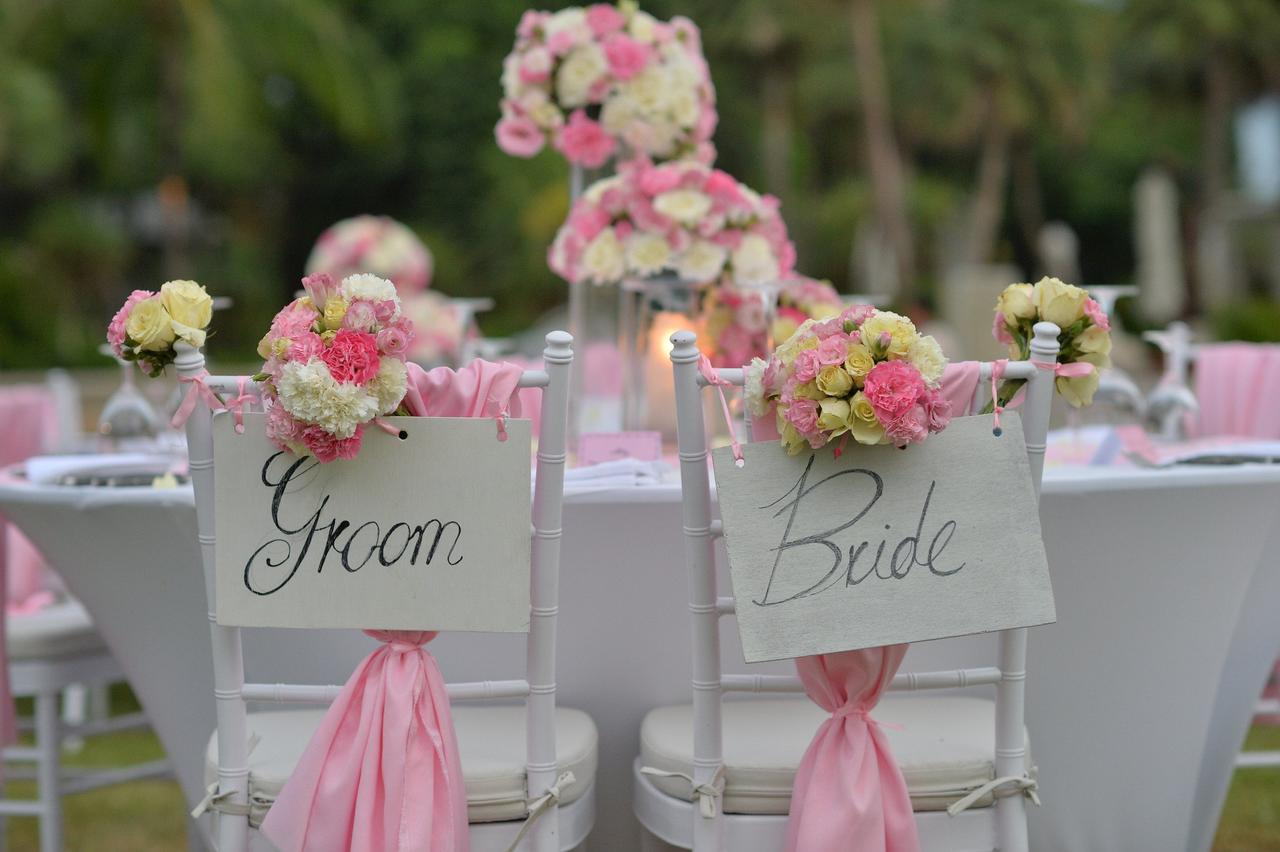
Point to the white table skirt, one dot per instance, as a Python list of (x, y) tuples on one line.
[(1138, 698)]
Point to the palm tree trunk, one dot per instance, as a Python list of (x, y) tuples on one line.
[(988, 198), (172, 190), (1217, 126), (775, 85), (883, 157), (1028, 201)]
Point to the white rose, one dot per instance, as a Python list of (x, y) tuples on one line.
[(512, 85), (578, 73), (702, 261), (641, 27), (647, 254), (686, 206), (602, 260), (568, 20), (618, 113), (648, 90), (662, 137), (684, 107), (753, 262), (926, 355)]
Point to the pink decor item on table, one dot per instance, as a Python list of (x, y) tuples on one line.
[(1238, 388), (388, 737), (849, 793)]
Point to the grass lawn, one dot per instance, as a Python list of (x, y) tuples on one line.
[(148, 816)]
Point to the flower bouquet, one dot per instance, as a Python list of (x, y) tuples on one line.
[(1085, 336), (591, 80), (683, 218), (334, 363), (734, 322), (864, 373), (143, 331)]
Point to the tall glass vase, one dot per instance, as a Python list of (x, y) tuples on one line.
[(651, 310)]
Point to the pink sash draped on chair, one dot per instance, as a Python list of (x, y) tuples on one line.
[(381, 773), (849, 795), (1238, 388)]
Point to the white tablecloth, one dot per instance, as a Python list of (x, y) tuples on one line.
[(1166, 586)]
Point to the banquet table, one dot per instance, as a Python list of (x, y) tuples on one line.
[(1138, 698)]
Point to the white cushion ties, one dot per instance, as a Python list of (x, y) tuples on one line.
[(218, 803), (1023, 784), (706, 795), (542, 804)]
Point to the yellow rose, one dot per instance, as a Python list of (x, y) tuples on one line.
[(900, 330), (863, 424), (1017, 302), (264, 346), (783, 328), (792, 439), (1078, 390), (833, 415), (328, 336), (1094, 340), (834, 381), (809, 390), (1059, 303), (188, 304), (859, 362), (149, 326), (334, 310), (279, 347)]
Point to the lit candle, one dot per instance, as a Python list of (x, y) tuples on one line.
[(659, 384)]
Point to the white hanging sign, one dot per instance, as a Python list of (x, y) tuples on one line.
[(428, 532), (882, 545)]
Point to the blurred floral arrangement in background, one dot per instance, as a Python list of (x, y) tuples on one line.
[(734, 322)]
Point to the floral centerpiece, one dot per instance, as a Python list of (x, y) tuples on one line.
[(1085, 336), (334, 364), (377, 244), (682, 218), (143, 331), (863, 373), (592, 81), (734, 322)]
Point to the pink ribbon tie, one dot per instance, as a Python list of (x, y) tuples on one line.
[(198, 391), (709, 373), (1066, 371), (236, 404)]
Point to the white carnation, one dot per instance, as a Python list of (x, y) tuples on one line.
[(389, 386), (702, 261), (753, 262), (926, 355), (618, 113), (573, 20), (686, 206), (753, 388), (648, 90), (647, 254), (684, 106), (371, 287), (602, 260), (578, 73), (312, 395)]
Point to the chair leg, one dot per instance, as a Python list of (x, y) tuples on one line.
[(75, 711), (49, 770)]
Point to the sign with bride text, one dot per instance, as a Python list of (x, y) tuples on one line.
[(425, 532), (882, 545)]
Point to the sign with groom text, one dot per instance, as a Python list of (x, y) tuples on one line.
[(882, 545), (428, 532)]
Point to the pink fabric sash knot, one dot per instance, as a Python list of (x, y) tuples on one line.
[(849, 793), (709, 373), (197, 390), (235, 405), (381, 773)]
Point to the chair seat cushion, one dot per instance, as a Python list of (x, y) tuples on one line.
[(945, 746), (60, 630), (491, 744)]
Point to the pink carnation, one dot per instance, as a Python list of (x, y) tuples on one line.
[(519, 136), (294, 319), (938, 408), (588, 220), (722, 187), (806, 366), (1097, 315), (893, 388), (656, 180), (858, 314), (584, 141), (1000, 329), (626, 56), (115, 329), (306, 346), (604, 19), (352, 357), (282, 427), (833, 350), (803, 414), (822, 330), (911, 427), (326, 448)]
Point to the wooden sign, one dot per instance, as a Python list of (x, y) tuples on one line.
[(883, 545), (428, 532)]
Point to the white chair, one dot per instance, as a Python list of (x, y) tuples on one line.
[(743, 755), (511, 755)]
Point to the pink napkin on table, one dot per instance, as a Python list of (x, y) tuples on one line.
[(381, 773), (1238, 388)]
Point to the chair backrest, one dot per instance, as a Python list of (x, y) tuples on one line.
[(537, 688), (710, 683)]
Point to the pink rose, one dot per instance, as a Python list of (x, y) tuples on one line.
[(803, 414), (383, 311), (893, 388), (306, 346), (1097, 315), (1000, 330), (519, 136), (352, 357), (626, 56), (604, 19), (584, 141), (319, 286), (535, 67), (833, 350), (326, 448), (735, 347), (727, 239), (588, 220), (911, 427), (361, 315), (769, 379), (656, 180), (115, 329), (561, 42), (806, 366), (394, 341), (531, 22), (722, 187), (644, 217)]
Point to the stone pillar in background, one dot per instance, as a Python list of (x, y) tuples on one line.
[(968, 301), (1059, 250), (874, 266), (1158, 246)]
